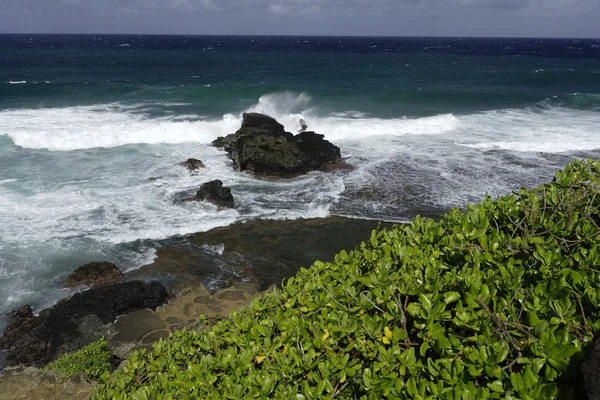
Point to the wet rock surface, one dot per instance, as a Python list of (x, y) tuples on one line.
[(263, 147), (76, 321), (192, 164), (216, 193), (262, 251), (94, 273), (142, 328)]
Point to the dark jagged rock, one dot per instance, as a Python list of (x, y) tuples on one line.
[(192, 164), (214, 192), (94, 273), (590, 373), (21, 314), (262, 146), (39, 339)]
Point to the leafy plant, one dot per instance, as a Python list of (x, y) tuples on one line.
[(93, 360), (493, 302)]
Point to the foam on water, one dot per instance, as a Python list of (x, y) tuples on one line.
[(550, 130), (84, 127), (74, 181)]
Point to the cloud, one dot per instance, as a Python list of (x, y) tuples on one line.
[(360, 17), (210, 5), (314, 9), (279, 9), (283, 7), (501, 4)]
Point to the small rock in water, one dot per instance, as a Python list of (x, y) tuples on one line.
[(192, 164), (94, 273), (216, 193)]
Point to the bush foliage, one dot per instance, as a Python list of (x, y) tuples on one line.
[(93, 360), (496, 301)]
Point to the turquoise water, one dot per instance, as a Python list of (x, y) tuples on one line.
[(428, 124)]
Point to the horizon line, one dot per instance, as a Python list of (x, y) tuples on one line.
[(307, 35)]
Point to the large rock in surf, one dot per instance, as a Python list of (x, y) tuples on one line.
[(214, 192), (262, 146), (75, 322), (94, 273)]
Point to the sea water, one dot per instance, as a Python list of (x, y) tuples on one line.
[(92, 129)]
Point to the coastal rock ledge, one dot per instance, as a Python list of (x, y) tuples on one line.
[(263, 147), (94, 273), (74, 322)]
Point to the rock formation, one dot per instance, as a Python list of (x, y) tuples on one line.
[(192, 164), (214, 192), (76, 321), (262, 146), (94, 273)]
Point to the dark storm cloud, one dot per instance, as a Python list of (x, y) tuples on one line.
[(317, 17)]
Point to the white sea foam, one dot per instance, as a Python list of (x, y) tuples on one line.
[(109, 201), (63, 129), (102, 126), (349, 113), (112, 125), (337, 128), (215, 248), (551, 130), (145, 257), (557, 146), (90, 196), (16, 82)]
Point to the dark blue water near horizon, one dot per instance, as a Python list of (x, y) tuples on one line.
[(381, 76), (543, 47)]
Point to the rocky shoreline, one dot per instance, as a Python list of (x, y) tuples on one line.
[(206, 274), (129, 332), (255, 256)]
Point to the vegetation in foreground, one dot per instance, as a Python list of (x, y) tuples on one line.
[(94, 360), (497, 301)]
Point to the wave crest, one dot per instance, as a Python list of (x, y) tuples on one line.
[(112, 125)]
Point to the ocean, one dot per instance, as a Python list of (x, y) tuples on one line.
[(427, 123)]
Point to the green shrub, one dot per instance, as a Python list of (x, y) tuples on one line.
[(93, 360), (493, 302)]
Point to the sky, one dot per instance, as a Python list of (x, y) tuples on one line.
[(489, 18)]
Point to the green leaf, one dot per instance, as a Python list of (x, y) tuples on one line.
[(451, 297), (414, 309), (425, 302), (496, 386)]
